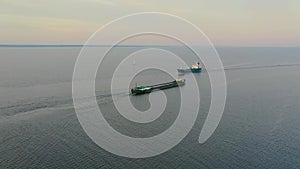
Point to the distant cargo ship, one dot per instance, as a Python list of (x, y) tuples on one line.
[(194, 69)]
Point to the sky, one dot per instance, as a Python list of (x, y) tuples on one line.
[(230, 22)]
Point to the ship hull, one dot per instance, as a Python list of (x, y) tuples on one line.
[(193, 70), (162, 86)]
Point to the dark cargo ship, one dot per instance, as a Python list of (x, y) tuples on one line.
[(148, 89)]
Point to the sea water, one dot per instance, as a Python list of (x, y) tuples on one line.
[(259, 128)]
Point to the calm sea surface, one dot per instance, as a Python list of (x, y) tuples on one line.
[(260, 127)]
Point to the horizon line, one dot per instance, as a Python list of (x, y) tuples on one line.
[(132, 45)]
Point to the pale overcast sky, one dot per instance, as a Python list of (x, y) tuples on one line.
[(230, 22)]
